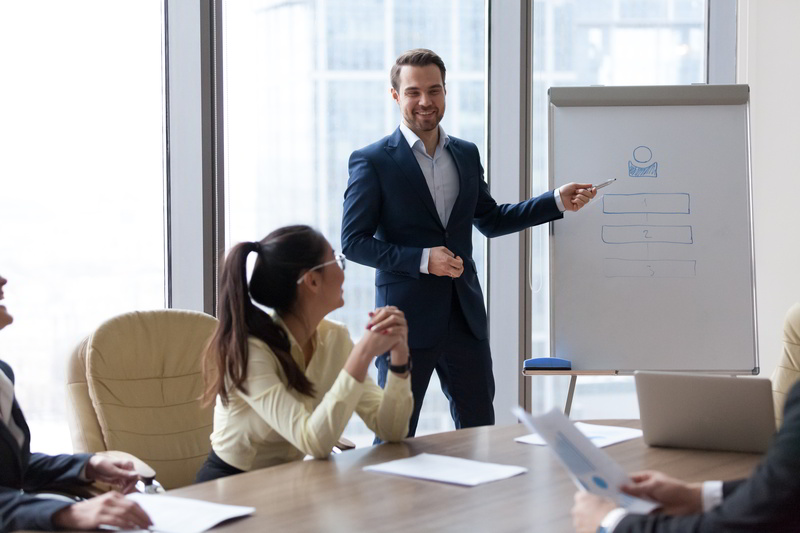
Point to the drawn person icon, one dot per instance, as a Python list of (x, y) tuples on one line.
[(642, 155)]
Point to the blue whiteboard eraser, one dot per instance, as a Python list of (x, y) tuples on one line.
[(547, 363)]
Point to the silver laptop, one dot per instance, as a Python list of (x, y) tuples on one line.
[(705, 412)]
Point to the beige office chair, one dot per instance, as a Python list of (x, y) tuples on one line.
[(788, 370), (134, 386)]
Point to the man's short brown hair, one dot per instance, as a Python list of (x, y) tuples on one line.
[(418, 57)]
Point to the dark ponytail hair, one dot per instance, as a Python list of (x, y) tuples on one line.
[(283, 256)]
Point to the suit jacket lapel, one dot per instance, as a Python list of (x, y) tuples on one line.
[(455, 151), (399, 150)]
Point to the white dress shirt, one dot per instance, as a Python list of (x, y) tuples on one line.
[(441, 175)]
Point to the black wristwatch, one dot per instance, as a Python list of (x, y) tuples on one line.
[(400, 369)]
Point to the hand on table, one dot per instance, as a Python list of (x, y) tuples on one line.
[(110, 509)]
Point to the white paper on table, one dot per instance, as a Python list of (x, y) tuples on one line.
[(590, 468), (172, 514), (601, 436), (447, 469)]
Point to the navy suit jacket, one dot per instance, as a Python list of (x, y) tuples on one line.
[(389, 217), (25, 471), (766, 501)]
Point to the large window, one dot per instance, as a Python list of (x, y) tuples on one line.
[(307, 83), (81, 194), (594, 42)]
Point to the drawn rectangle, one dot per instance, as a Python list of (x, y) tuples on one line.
[(647, 202), (643, 268), (647, 234)]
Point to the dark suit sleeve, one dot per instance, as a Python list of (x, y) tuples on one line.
[(54, 471), (19, 510), (767, 501), (729, 486), (26, 511), (494, 220), (360, 219)]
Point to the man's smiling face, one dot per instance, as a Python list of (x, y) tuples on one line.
[(420, 96)]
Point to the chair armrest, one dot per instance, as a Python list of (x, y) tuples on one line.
[(344, 444)]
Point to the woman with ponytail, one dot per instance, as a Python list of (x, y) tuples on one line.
[(287, 382)]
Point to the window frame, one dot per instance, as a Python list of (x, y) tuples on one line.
[(194, 169)]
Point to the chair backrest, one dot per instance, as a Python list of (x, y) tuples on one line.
[(143, 374), (788, 370), (87, 437)]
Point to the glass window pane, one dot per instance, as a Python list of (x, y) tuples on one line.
[(81, 202), (292, 120), (600, 42), (354, 32)]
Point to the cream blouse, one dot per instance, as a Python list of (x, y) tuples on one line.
[(271, 424)]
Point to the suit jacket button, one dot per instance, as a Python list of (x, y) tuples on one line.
[(446, 235)]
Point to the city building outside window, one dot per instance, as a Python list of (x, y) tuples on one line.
[(81, 193)]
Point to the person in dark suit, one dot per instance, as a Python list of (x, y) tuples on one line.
[(24, 472), (766, 501), (409, 207)]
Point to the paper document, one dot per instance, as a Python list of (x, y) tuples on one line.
[(589, 467), (601, 436), (172, 514), (447, 469)]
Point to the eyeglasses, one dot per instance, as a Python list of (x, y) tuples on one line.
[(339, 259)]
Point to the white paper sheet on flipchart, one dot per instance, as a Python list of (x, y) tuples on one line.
[(447, 469), (171, 514), (601, 436), (590, 468)]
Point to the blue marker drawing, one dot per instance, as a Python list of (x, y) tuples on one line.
[(646, 268), (647, 203), (600, 482), (647, 234), (642, 155)]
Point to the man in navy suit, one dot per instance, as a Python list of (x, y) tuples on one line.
[(410, 204), (763, 502), (23, 473)]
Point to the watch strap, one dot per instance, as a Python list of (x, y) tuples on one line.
[(400, 369)]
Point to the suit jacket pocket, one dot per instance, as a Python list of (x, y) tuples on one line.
[(384, 277)]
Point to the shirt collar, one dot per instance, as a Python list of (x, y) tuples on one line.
[(294, 346), (412, 138)]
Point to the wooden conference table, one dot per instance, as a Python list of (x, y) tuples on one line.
[(336, 495)]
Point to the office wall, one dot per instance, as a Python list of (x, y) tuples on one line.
[(768, 49)]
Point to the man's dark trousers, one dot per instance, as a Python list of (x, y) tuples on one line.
[(464, 366)]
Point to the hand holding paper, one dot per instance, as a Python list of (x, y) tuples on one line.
[(589, 467)]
